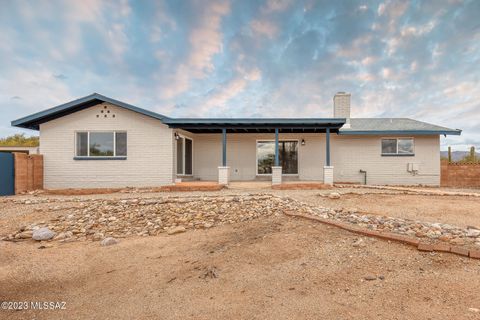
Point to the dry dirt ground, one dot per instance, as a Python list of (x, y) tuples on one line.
[(269, 268)]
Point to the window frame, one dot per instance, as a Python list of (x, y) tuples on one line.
[(183, 174), (89, 157), (279, 140), (397, 154)]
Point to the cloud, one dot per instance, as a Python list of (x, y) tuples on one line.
[(264, 27), (244, 58), (205, 42), (276, 6)]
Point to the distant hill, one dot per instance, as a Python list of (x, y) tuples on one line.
[(457, 155)]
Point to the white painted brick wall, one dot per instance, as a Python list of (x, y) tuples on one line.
[(349, 154), (150, 151), (328, 175), (341, 105), (352, 153), (223, 175), (276, 175)]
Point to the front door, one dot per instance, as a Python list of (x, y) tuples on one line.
[(184, 156)]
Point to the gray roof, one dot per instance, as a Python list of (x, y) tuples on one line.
[(359, 126), (370, 126), (33, 121)]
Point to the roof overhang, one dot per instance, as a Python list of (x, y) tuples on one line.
[(33, 121), (256, 125), (456, 132)]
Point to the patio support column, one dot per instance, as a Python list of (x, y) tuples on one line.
[(224, 147), (328, 168), (276, 169), (223, 171)]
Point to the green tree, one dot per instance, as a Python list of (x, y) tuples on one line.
[(19, 140)]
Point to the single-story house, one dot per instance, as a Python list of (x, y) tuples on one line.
[(98, 142)]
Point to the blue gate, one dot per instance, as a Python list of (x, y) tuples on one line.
[(7, 175)]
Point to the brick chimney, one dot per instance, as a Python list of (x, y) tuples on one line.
[(341, 107)]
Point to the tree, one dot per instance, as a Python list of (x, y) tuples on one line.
[(19, 140)]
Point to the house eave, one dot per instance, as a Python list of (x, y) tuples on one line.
[(456, 132)]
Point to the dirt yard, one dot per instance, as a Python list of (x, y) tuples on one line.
[(273, 267)]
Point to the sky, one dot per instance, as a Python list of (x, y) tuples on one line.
[(272, 58)]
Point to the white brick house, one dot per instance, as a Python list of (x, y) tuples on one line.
[(99, 142)]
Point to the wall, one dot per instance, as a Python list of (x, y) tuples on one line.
[(241, 155), (466, 175), (28, 172), (352, 153), (149, 151), (349, 154)]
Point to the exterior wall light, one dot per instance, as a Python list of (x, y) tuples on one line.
[(303, 142), (176, 136)]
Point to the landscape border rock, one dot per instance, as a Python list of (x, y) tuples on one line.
[(472, 253)]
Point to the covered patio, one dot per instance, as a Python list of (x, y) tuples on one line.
[(275, 159)]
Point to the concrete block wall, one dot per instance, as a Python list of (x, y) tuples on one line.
[(466, 175)]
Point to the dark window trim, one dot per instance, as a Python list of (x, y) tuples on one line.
[(398, 154), (99, 158), (88, 132)]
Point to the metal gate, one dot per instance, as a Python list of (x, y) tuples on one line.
[(7, 174)]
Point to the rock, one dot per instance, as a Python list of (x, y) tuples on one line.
[(108, 241), (359, 243), (43, 234), (334, 195), (60, 236), (473, 233), (457, 241), (176, 230), (476, 310), (370, 278), (98, 236), (24, 235)]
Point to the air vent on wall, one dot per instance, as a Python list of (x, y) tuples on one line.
[(105, 112)]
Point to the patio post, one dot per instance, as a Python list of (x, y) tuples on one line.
[(328, 168), (276, 169), (223, 171)]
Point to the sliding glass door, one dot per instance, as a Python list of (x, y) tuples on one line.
[(184, 156), (288, 156)]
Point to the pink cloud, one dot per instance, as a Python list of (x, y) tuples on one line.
[(205, 41)]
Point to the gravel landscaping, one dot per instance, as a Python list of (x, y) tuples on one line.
[(97, 219), (182, 255)]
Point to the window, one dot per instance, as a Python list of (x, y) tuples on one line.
[(184, 156), (398, 147), (101, 144), (287, 156)]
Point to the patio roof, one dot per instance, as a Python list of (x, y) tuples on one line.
[(255, 125)]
